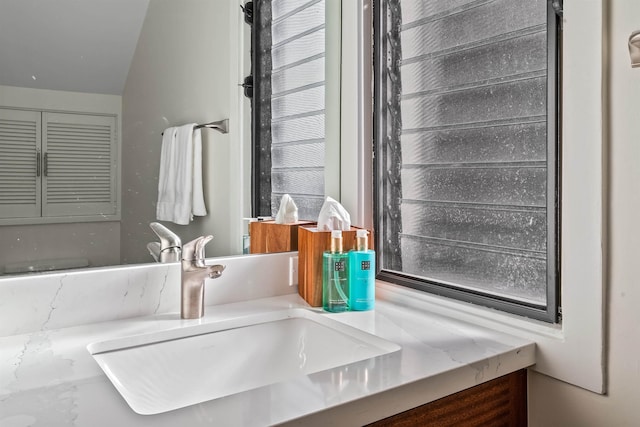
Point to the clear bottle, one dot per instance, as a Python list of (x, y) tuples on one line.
[(335, 276), (362, 274)]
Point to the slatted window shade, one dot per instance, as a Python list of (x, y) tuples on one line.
[(297, 104), (57, 165), (80, 162), (19, 144), (468, 178)]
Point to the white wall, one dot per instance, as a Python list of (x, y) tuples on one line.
[(554, 403), (98, 242), (180, 74)]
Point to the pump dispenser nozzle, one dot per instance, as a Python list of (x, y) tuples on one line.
[(336, 241), (362, 241)]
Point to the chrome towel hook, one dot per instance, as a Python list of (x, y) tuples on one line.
[(634, 49)]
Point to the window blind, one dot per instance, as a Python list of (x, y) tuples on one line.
[(298, 104), (465, 189)]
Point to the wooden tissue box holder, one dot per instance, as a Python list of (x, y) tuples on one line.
[(311, 244), (269, 237)]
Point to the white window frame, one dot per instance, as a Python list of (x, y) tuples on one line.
[(572, 351)]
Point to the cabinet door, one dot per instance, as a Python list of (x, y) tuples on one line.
[(499, 402), (20, 142), (79, 166)]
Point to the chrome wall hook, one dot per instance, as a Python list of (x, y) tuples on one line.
[(634, 49)]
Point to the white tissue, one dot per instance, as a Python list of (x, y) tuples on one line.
[(333, 216), (288, 212)]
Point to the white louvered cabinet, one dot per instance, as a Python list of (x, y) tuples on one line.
[(57, 166)]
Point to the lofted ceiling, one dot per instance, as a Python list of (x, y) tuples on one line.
[(69, 45)]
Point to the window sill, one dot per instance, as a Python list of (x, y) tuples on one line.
[(560, 352), (467, 311)]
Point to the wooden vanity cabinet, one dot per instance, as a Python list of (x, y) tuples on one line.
[(500, 402)]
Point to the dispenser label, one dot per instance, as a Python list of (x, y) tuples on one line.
[(365, 265), (339, 266)]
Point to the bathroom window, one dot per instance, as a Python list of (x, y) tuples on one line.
[(289, 105), (466, 150)]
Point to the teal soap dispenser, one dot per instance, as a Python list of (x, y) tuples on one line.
[(362, 274), (335, 276)]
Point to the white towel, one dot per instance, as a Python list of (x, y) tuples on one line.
[(197, 207), (180, 194)]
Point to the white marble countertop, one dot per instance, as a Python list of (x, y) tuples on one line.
[(48, 377)]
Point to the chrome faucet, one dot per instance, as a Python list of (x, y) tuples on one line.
[(194, 271), (170, 246)]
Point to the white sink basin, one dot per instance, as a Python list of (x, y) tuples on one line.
[(162, 371)]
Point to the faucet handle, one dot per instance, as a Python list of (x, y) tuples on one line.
[(194, 250), (168, 239)]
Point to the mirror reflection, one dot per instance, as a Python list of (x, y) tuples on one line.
[(123, 71)]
